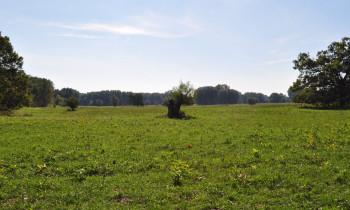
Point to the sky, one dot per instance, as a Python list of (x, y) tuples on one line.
[(150, 46)]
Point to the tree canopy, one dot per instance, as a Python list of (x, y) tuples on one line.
[(252, 100), (42, 91), (72, 103), (181, 95), (324, 80), (114, 100), (277, 98), (262, 98), (184, 93), (13, 80), (62, 95), (221, 94), (136, 99)]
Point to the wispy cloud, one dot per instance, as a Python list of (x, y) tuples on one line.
[(278, 61), (76, 35), (280, 53), (148, 25)]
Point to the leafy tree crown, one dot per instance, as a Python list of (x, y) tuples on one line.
[(324, 80), (184, 93)]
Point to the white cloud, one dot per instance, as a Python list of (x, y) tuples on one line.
[(280, 53), (147, 25), (77, 35)]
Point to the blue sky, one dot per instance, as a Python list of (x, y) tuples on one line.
[(149, 46)]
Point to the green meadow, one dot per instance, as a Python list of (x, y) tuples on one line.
[(224, 157)]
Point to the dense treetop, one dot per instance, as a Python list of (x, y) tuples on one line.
[(324, 80), (13, 80), (42, 91)]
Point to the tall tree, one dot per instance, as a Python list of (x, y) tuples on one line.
[(62, 95), (277, 98), (114, 100), (42, 91), (98, 102), (324, 80), (262, 98), (207, 95), (222, 87), (136, 99), (228, 96), (14, 92), (221, 94), (69, 92)]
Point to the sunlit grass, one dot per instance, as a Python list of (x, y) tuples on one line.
[(132, 157)]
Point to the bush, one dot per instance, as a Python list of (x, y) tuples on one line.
[(181, 95), (252, 100), (72, 103)]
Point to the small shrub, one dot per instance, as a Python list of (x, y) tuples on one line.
[(252, 101), (72, 103), (179, 169)]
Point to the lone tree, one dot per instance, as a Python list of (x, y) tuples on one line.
[(181, 95), (72, 103), (252, 100), (14, 92), (324, 81)]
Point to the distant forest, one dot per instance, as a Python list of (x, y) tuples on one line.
[(44, 94)]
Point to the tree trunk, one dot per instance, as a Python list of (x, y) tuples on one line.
[(174, 109)]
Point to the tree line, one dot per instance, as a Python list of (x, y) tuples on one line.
[(220, 94), (43, 94)]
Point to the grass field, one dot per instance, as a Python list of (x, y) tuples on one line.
[(274, 156)]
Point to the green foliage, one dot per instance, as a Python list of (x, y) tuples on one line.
[(13, 81), (59, 100), (62, 95), (136, 99), (324, 81), (87, 99), (72, 103), (269, 156), (165, 101), (277, 98), (42, 91), (179, 169), (68, 92), (252, 101), (262, 98), (181, 95), (98, 102), (221, 94), (114, 100)]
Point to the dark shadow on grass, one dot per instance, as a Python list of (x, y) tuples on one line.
[(323, 108), (187, 117), (6, 113)]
